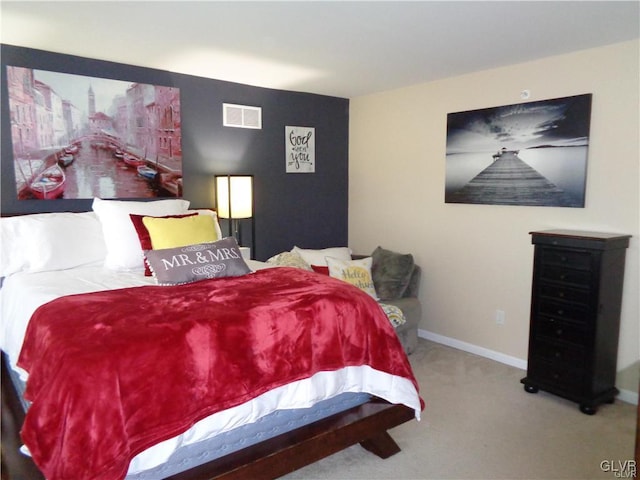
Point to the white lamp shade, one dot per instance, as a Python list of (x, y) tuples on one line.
[(239, 191)]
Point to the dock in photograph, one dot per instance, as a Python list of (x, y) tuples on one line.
[(510, 181)]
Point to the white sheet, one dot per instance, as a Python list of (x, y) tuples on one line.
[(22, 293)]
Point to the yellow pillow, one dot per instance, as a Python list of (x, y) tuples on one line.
[(355, 272), (179, 232)]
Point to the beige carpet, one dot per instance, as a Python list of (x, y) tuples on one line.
[(479, 423)]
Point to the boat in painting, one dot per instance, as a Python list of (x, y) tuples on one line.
[(65, 160), (72, 149), (48, 184), (147, 172), (132, 161)]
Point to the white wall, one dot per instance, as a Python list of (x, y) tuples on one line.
[(478, 258)]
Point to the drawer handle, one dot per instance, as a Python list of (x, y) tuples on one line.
[(560, 311)]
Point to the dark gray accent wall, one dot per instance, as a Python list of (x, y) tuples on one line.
[(308, 210)]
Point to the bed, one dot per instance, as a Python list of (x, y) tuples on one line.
[(282, 366)]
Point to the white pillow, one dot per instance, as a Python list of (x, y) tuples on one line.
[(50, 241), (319, 257), (12, 255), (123, 247)]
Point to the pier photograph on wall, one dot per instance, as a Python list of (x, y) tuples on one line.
[(532, 153), (75, 136)]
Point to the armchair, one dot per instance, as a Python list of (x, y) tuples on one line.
[(397, 280)]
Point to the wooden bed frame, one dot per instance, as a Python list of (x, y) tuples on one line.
[(366, 424)]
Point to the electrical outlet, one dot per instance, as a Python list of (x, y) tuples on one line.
[(500, 317)]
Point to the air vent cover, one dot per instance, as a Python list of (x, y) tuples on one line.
[(241, 116)]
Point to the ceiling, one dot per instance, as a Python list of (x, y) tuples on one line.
[(338, 48)]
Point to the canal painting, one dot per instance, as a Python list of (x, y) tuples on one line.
[(532, 154), (75, 136)]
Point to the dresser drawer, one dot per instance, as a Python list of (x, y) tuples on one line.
[(565, 275), (561, 310), (571, 258), (560, 292), (558, 353), (559, 330), (560, 376)]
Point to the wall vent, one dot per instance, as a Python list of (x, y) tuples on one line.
[(241, 116)]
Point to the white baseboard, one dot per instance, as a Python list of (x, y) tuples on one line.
[(469, 347), (627, 396)]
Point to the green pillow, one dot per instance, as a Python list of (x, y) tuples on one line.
[(391, 272)]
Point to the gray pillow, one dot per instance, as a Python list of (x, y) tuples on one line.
[(391, 272), (172, 266)]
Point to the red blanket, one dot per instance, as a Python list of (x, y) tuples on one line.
[(112, 373)]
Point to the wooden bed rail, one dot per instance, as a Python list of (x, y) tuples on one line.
[(366, 424)]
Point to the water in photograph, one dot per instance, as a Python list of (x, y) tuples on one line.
[(566, 167), (462, 167)]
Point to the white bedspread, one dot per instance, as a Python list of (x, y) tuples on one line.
[(22, 293)]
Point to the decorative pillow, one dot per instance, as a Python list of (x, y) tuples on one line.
[(145, 238), (211, 213), (355, 272), (190, 263), (318, 257), (289, 259), (320, 269), (141, 229), (391, 273), (123, 247), (50, 241), (177, 232), (394, 314)]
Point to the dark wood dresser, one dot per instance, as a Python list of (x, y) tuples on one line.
[(575, 315)]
